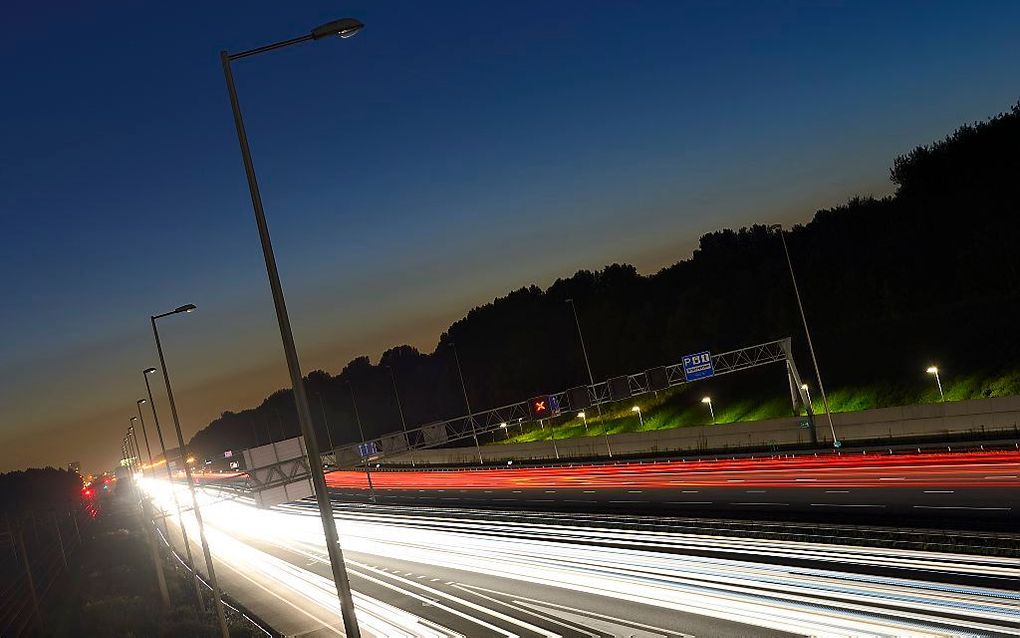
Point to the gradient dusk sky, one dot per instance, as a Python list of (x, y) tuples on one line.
[(449, 153)]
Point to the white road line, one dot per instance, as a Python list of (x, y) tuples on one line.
[(837, 491), (590, 613), (844, 505), (939, 491), (961, 507), (435, 603), (500, 602), (759, 503)]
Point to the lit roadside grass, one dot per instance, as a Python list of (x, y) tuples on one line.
[(682, 407)]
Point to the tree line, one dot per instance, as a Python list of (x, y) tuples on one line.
[(927, 274)]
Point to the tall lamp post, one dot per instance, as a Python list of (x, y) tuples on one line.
[(467, 404), (807, 393), (132, 441), (584, 351), (170, 482), (933, 370), (711, 410), (217, 593), (145, 434), (361, 432), (641, 419), (344, 28), (400, 409), (807, 333)]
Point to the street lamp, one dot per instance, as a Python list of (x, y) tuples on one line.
[(711, 410), (217, 593), (145, 433), (807, 392), (400, 409), (344, 28), (641, 419), (132, 439), (467, 404), (807, 333), (177, 504), (583, 417), (935, 371), (505, 430), (584, 351), (364, 450)]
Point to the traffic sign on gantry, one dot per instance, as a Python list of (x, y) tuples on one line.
[(698, 366)]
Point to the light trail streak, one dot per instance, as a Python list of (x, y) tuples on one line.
[(316, 594), (991, 469), (804, 588)]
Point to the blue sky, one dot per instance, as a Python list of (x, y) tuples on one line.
[(450, 152)]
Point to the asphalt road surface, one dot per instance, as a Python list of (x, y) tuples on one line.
[(482, 572), (975, 489)]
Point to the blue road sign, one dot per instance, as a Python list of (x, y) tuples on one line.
[(698, 366), (368, 449)]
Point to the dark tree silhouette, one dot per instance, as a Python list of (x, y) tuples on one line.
[(889, 284)]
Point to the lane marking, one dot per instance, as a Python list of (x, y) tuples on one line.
[(434, 603), (759, 503), (592, 614), (837, 491), (517, 609), (961, 507), (844, 505), (939, 491), (322, 622)]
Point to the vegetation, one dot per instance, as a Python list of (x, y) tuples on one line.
[(926, 275), (92, 570), (682, 407)]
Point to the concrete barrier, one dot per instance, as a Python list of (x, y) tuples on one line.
[(981, 416)]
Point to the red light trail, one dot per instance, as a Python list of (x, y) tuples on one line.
[(992, 469)]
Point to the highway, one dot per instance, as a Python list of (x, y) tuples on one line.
[(972, 489), (482, 572)]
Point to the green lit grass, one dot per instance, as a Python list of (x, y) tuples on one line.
[(682, 407)]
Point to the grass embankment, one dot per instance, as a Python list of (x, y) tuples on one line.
[(682, 407), (113, 592)]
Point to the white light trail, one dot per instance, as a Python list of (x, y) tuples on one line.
[(759, 582)]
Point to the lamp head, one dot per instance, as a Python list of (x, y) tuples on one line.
[(148, 370), (635, 409), (344, 28), (804, 387), (140, 401), (932, 370), (185, 308), (707, 400), (580, 415)]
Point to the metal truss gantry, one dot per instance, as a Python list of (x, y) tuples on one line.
[(495, 419)]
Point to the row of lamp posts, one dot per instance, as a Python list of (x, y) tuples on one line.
[(343, 28)]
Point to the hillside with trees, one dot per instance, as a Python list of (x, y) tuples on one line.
[(926, 274)]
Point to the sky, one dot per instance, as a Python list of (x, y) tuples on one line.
[(449, 153)]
